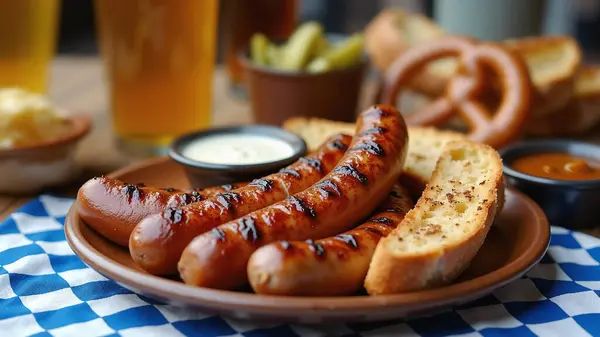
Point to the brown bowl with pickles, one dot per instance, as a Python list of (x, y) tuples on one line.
[(311, 74), (562, 176)]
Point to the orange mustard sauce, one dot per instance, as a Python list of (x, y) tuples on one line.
[(560, 166)]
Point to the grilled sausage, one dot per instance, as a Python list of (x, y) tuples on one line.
[(328, 267), (158, 240), (360, 181), (113, 208)]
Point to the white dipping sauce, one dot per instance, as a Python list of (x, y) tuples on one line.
[(237, 149)]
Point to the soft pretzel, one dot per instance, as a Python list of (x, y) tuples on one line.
[(553, 61), (466, 88)]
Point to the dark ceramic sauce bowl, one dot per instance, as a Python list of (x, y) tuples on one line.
[(567, 203), (203, 174)]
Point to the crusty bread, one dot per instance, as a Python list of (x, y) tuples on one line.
[(394, 30), (315, 131), (553, 61), (580, 115), (424, 146), (439, 237)]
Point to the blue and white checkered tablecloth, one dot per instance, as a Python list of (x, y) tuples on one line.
[(45, 290)]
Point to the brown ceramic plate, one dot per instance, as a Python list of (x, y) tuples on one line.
[(514, 245)]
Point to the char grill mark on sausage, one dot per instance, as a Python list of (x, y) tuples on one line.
[(290, 172), (338, 145), (383, 220), (328, 189), (371, 147), (375, 111), (188, 198), (373, 230), (228, 187), (247, 228), (218, 234), (348, 239), (301, 206), (173, 215), (313, 162), (395, 194), (316, 248), (352, 172), (133, 192), (228, 199), (185, 199), (169, 189), (197, 196), (264, 184), (374, 131)]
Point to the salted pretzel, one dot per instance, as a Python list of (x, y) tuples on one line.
[(465, 89)]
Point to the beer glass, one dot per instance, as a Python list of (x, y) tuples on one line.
[(159, 56), (27, 42)]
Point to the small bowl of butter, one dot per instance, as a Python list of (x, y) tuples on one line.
[(37, 142), (228, 155)]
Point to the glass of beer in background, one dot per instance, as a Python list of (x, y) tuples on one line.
[(27, 42), (242, 18), (160, 57)]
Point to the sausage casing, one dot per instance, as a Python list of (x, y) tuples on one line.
[(113, 208), (333, 266), (348, 194), (158, 240)]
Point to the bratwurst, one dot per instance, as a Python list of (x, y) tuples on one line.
[(356, 186), (113, 208), (158, 240), (333, 266)]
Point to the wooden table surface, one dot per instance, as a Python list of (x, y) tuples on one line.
[(77, 84)]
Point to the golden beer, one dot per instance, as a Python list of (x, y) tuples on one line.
[(160, 57), (27, 42)]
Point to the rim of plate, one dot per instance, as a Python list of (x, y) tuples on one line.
[(180, 292)]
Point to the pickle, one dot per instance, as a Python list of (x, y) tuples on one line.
[(258, 49), (296, 53), (273, 55), (321, 47), (344, 55)]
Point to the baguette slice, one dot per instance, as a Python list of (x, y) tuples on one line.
[(580, 115), (424, 146), (554, 63), (439, 237)]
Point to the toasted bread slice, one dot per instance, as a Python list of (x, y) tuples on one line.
[(424, 146), (580, 115), (554, 63), (439, 237), (315, 131)]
